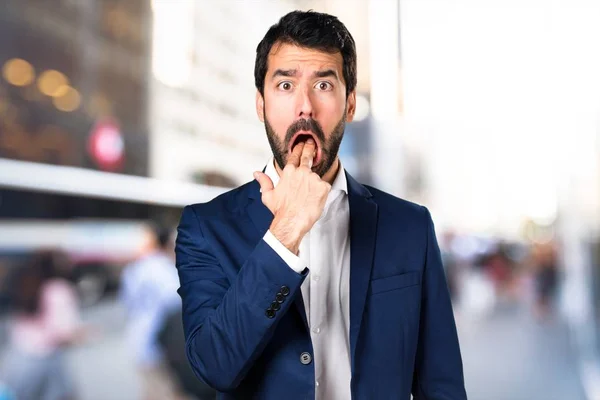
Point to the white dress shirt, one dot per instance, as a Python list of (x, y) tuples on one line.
[(325, 250)]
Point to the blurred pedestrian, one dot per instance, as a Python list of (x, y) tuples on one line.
[(546, 278), (149, 293), (500, 269), (450, 263), (44, 322)]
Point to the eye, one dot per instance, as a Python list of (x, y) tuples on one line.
[(324, 86), (286, 86)]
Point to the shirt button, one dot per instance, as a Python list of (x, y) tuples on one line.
[(316, 278), (317, 330), (317, 383), (305, 358)]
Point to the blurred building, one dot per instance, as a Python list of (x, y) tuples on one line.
[(74, 83), (73, 92), (74, 129)]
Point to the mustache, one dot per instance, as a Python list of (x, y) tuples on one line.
[(309, 125)]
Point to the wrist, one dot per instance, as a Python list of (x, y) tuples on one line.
[(287, 232)]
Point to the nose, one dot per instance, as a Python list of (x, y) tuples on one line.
[(305, 104)]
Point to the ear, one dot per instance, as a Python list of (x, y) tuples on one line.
[(351, 106), (260, 106)]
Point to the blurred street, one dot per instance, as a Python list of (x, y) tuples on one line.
[(506, 355), (104, 369)]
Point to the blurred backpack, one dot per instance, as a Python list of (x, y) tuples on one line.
[(172, 340)]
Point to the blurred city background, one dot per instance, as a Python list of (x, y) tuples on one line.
[(114, 114)]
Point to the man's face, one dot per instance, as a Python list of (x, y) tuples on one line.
[(305, 95)]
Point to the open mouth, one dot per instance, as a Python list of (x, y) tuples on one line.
[(303, 136)]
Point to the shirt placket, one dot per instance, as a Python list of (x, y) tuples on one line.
[(319, 280)]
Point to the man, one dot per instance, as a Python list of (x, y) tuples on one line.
[(303, 283)]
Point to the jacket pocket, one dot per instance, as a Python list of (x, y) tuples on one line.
[(399, 281)]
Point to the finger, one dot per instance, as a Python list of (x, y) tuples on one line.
[(308, 153), (294, 157), (266, 184)]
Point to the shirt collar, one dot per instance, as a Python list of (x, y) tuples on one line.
[(339, 183)]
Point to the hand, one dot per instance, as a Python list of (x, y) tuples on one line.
[(298, 200)]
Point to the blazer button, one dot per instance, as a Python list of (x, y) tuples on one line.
[(275, 306), (284, 290), (270, 313), (279, 297), (305, 358)]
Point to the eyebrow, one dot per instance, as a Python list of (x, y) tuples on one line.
[(325, 74), (317, 74), (284, 72)]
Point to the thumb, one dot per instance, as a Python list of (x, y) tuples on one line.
[(266, 184)]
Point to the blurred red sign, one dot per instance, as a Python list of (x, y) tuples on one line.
[(106, 145)]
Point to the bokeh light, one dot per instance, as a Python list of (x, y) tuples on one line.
[(18, 72)]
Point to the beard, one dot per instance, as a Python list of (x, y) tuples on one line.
[(329, 147)]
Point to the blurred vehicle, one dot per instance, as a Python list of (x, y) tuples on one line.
[(98, 250)]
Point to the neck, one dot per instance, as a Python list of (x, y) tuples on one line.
[(329, 176)]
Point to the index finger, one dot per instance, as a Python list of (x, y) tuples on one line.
[(294, 158), (308, 153)]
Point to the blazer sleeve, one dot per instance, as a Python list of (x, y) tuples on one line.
[(438, 370), (226, 323)]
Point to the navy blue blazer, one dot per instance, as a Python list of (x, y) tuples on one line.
[(403, 336)]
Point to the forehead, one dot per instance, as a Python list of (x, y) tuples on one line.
[(289, 56)]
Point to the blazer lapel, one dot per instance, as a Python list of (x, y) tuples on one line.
[(262, 217), (363, 231)]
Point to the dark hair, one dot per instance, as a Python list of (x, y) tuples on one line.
[(27, 283), (162, 233), (312, 30)]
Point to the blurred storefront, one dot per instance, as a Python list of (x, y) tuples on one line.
[(74, 83), (73, 93), (74, 126)]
